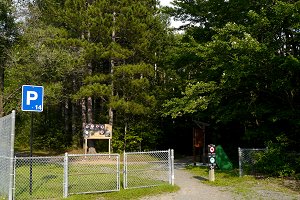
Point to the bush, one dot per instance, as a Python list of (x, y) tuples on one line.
[(277, 161)]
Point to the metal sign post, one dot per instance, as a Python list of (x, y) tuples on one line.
[(32, 100), (211, 161)]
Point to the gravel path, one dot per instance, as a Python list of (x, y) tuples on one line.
[(191, 188)]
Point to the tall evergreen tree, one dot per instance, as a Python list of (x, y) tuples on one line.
[(8, 34), (106, 45)]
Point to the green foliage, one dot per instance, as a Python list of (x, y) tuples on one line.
[(277, 160), (195, 99), (8, 29), (67, 47), (8, 35), (140, 135), (251, 58), (236, 67)]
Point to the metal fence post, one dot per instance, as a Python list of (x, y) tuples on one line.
[(11, 167), (172, 167), (14, 181), (118, 172), (240, 162), (65, 184), (125, 170)]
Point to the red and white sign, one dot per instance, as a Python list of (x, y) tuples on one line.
[(212, 149)]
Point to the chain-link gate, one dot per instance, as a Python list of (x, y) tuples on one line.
[(145, 169), (93, 173), (7, 137), (247, 160)]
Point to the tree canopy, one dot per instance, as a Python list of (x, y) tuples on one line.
[(8, 34), (244, 66), (235, 66)]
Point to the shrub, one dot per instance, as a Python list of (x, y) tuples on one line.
[(277, 161)]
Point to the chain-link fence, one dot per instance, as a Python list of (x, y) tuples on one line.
[(145, 169), (7, 134), (38, 177), (60, 176), (247, 160)]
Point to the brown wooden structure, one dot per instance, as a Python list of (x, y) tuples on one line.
[(98, 132), (199, 141)]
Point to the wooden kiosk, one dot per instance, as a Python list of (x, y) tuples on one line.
[(199, 141), (97, 132)]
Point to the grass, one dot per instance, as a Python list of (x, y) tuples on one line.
[(128, 194), (246, 187), (47, 182)]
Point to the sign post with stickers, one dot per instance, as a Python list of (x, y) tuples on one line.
[(211, 161)]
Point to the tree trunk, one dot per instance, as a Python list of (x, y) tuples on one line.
[(112, 65), (83, 112), (66, 119), (76, 139), (1, 90), (1, 104), (91, 143), (125, 133)]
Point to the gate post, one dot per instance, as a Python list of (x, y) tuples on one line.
[(125, 171), (172, 167), (66, 169), (11, 165), (240, 162)]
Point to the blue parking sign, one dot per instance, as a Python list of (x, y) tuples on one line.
[(32, 98)]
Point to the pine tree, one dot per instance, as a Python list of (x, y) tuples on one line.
[(107, 45), (8, 34)]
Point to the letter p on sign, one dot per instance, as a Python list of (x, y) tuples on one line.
[(32, 98)]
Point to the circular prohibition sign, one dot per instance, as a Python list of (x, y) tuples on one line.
[(212, 149)]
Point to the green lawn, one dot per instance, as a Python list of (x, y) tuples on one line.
[(47, 182), (129, 194)]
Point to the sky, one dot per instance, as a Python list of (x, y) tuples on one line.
[(175, 24), (165, 2)]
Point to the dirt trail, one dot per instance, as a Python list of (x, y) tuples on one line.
[(191, 188)]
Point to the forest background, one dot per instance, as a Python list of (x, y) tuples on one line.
[(234, 65)]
